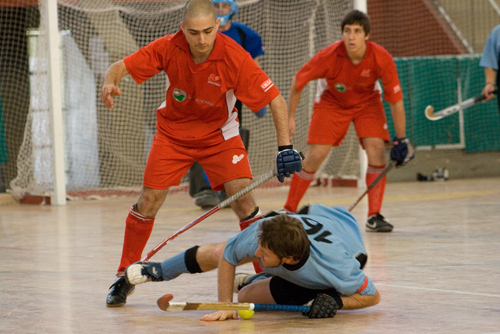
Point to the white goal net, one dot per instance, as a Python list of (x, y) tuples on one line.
[(106, 150)]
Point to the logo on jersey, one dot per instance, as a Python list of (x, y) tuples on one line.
[(179, 95), (237, 158), (397, 89), (340, 87), (266, 85), (214, 79), (365, 73)]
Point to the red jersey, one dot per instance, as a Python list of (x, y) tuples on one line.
[(200, 98), (348, 85)]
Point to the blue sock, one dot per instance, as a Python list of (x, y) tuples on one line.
[(174, 266)]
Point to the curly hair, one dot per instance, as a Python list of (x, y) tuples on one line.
[(285, 236)]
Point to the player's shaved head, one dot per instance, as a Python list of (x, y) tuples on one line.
[(197, 8)]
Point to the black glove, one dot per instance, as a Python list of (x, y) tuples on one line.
[(288, 161), (402, 151), (323, 306)]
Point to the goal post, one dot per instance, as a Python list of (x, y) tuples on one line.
[(49, 12)]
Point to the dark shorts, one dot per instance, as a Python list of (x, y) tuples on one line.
[(285, 292)]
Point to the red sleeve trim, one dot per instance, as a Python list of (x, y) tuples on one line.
[(365, 284)]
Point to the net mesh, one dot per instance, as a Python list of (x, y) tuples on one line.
[(106, 150), (436, 45)]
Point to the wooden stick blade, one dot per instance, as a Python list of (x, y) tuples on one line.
[(429, 113), (165, 304), (163, 301)]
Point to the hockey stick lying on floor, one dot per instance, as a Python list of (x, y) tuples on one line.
[(373, 184), (221, 205), (434, 116), (165, 304)]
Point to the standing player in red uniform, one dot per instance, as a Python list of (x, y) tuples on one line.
[(348, 73), (206, 71)]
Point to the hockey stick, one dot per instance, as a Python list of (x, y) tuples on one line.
[(373, 184), (434, 116), (221, 205), (165, 304)]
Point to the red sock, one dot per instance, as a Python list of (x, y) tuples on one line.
[(137, 231), (244, 223), (298, 187), (376, 195)]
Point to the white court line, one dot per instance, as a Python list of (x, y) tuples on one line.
[(443, 290)]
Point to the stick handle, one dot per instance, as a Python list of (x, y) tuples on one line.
[(373, 184), (434, 116), (280, 307), (482, 96), (221, 205), (247, 189)]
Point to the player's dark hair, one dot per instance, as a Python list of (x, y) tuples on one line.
[(356, 17), (285, 236)]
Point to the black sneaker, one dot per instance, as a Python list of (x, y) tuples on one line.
[(119, 292), (377, 223), (206, 199), (142, 272)]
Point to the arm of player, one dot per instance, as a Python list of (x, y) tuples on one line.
[(280, 119), (398, 118), (357, 301), (112, 78), (288, 161), (402, 150), (490, 77), (226, 273), (293, 102)]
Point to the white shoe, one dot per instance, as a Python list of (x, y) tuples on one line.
[(240, 280), (142, 272)]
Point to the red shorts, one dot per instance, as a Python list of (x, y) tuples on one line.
[(329, 123), (168, 163)]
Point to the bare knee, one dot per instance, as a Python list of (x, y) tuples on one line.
[(244, 206), (208, 256), (315, 156), (218, 251), (150, 201)]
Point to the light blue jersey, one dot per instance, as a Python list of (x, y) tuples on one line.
[(335, 242), (491, 50)]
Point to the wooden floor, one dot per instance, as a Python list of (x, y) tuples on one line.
[(437, 272)]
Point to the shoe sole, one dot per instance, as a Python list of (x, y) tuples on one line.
[(121, 304), (206, 205), (378, 230)]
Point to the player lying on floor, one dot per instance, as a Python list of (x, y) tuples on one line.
[(319, 250)]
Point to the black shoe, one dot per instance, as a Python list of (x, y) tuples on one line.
[(119, 292), (377, 223), (206, 199)]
